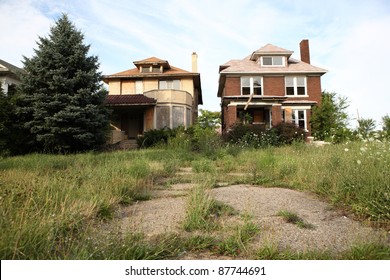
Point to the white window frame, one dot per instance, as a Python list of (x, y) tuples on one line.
[(295, 82), (272, 63), (295, 117), (252, 84)]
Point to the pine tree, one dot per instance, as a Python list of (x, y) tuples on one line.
[(61, 101)]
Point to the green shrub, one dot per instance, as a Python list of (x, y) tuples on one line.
[(289, 133), (155, 137)]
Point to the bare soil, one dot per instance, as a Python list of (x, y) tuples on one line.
[(332, 230)]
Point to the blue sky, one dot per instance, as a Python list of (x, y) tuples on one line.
[(348, 38)]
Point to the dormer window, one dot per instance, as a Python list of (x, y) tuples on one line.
[(151, 69), (272, 60)]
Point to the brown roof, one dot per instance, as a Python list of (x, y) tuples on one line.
[(153, 61), (135, 72), (129, 99)]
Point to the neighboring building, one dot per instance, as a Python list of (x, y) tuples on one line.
[(154, 95), (269, 87), (9, 76)]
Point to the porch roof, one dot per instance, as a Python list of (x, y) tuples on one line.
[(129, 99)]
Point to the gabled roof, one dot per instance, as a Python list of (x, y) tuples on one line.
[(270, 49), (129, 99), (152, 61)]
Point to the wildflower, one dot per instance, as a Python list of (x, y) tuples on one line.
[(346, 149)]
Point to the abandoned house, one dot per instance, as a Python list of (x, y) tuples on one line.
[(153, 95), (268, 87)]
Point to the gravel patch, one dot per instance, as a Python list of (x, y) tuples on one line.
[(332, 231)]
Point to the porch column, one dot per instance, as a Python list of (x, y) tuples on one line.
[(308, 126), (231, 116), (276, 114)]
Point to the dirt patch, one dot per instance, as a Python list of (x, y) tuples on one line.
[(331, 231)]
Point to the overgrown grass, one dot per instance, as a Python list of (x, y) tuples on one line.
[(203, 211), (293, 218), (51, 205), (368, 251)]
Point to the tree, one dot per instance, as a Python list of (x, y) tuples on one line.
[(61, 96), (209, 119), (386, 124), (330, 120), (5, 120), (365, 127)]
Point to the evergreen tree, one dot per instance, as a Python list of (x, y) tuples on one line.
[(61, 95), (5, 120)]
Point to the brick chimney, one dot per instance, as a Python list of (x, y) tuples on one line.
[(194, 62), (305, 53)]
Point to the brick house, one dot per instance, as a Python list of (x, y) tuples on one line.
[(269, 87), (153, 95)]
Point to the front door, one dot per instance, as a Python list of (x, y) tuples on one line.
[(132, 125)]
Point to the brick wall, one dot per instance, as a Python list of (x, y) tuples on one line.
[(230, 116), (274, 86), (276, 115), (314, 88), (232, 86)]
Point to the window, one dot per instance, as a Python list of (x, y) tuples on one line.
[(251, 85), (299, 118), (272, 61), (156, 69), (145, 69), (295, 85), (169, 84), (139, 89)]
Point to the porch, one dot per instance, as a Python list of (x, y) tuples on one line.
[(131, 115)]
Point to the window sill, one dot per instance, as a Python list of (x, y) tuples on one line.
[(296, 95)]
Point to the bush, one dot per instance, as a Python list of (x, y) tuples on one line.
[(258, 137), (289, 133), (239, 130), (155, 137)]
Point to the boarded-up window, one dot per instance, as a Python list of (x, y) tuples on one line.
[(169, 84), (177, 116), (188, 117), (162, 117)]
